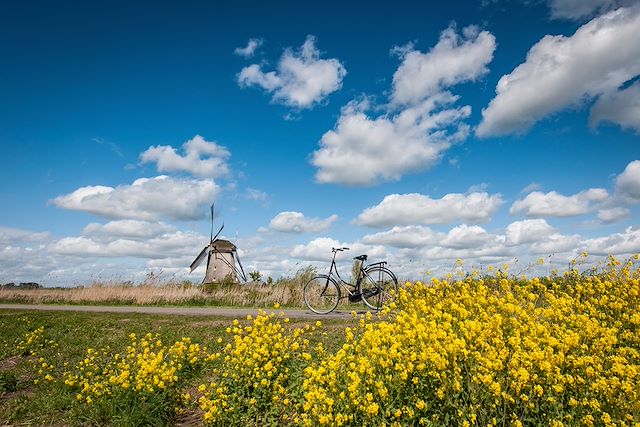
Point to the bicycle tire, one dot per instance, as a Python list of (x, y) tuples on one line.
[(378, 287), (321, 294)]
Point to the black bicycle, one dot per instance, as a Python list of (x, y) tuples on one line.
[(375, 285)]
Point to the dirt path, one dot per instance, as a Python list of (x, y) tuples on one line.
[(180, 311)]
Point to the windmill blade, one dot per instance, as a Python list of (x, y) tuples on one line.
[(218, 233), (198, 259), (211, 235), (244, 276)]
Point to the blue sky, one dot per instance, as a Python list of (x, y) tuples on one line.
[(488, 131)]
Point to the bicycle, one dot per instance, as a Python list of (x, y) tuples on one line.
[(375, 285)]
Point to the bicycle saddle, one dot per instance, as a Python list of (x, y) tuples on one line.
[(362, 258)]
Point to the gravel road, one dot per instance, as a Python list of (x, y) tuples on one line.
[(179, 311)]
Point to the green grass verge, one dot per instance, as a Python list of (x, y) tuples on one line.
[(66, 338)]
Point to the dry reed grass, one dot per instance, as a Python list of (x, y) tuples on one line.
[(286, 292), (94, 294)]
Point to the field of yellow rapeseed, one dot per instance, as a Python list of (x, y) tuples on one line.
[(490, 351), (493, 350), (470, 350)]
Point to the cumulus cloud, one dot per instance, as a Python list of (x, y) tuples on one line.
[(23, 255), (578, 9), (296, 222), (130, 228), (419, 124), (465, 236), (201, 158), (456, 58), (538, 204), (145, 199), (320, 250), (9, 236), (611, 215), (628, 182), (527, 231), (555, 243), (250, 49), (255, 195), (410, 236), (564, 71), (302, 78), (175, 243), (534, 186), (495, 250), (626, 243), (363, 150), (621, 107), (414, 208)]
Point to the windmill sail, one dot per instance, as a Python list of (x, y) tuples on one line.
[(211, 235), (244, 276), (217, 234), (198, 259)]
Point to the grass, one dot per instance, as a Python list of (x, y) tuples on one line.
[(70, 334), (287, 292)]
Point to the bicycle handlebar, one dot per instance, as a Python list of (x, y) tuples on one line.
[(339, 249)]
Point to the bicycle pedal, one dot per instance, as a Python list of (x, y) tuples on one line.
[(355, 298)]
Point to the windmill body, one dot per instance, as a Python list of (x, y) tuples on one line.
[(222, 259), (221, 262)]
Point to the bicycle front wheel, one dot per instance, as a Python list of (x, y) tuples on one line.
[(321, 294), (378, 287)]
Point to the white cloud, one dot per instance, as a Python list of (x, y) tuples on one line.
[(624, 243), (362, 150), (465, 236), (577, 9), (419, 124), (9, 235), (295, 222), (130, 228), (416, 208), (495, 250), (302, 78), (250, 49), (612, 215), (255, 195), (628, 182), (176, 243), (410, 236), (527, 231), (201, 158), (621, 107), (563, 71), (538, 204), (454, 59), (145, 199), (534, 186), (320, 250), (317, 250), (23, 255), (555, 243)]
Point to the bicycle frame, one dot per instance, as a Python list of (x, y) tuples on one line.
[(351, 288), (323, 292)]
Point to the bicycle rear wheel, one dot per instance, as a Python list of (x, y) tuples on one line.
[(321, 294), (378, 287)]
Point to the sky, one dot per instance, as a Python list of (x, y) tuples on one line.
[(494, 131)]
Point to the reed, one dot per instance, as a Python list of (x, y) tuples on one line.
[(285, 291)]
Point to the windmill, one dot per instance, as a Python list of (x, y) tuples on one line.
[(222, 256)]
